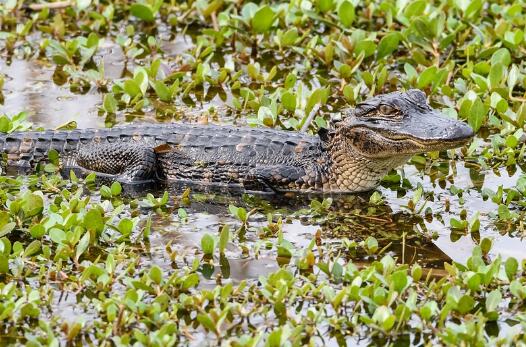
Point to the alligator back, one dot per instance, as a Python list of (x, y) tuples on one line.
[(207, 143)]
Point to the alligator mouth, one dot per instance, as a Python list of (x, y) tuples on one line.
[(388, 143), (429, 144)]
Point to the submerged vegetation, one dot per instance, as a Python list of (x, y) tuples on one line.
[(434, 256)]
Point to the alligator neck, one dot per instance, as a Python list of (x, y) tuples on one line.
[(351, 171)]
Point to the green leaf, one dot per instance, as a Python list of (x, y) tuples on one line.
[(32, 248), (501, 56), (511, 266), (32, 204), (206, 322), (57, 235), (324, 5), (262, 20), (399, 280), (142, 11), (132, 88), (415, 8), (465, 304), (346, 14), (93, 220), (477, 114), (496, 74), (288, 99), (493, 299), (162, 91), (223, 238), (388, 44), (4, 264), (208, 244), (427, 77), (367, 47), (116, 188), (156, 274), (125, 226), (485, 245), (82, 246), (7, 228), (36, 231), (109, 104)]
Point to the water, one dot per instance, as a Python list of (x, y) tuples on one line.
[(30, 87)]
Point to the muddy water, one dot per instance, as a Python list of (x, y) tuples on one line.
[(427, 241), (30, 87)]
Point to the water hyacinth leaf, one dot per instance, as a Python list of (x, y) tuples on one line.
[(346, 13), (399, 280), (7, 228), (388, 44), (384, 318), (94, 221), (429, 310), (206, 322), (501, 56), (288, 100), (513, 77), (82, 246), (190, 281), (156, 274), (262, 20), (427, 77), (109, 103), (125, 226), (493, 300), (32, 204), (477, 114), (365, 47), (36, 231), (324, 5), (57, 235), (162, 91), (473, 9), (208, 244), (266, 116), (131, 88), (485, 245), (116, 188), (142, 11), (4, 264), (371, 244), (511, 266), (224, 238), (32, 248), (465, 304), (496, 75)]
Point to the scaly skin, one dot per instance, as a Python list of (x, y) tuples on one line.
[(376, 136)]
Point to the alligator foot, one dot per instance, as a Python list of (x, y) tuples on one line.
[(127, 162), (277, 177)]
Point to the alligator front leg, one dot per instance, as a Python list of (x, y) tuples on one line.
[(277, 177), (127, 162)]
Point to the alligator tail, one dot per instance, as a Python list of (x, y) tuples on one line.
[(26, 149)]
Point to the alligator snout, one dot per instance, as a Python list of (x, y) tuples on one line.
[(459, 132)]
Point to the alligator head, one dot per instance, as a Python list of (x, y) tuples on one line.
[(401, 124), (382, 133)]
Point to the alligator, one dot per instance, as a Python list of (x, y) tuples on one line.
[(373, 138)]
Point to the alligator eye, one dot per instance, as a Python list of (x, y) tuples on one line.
[(387, 110)]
